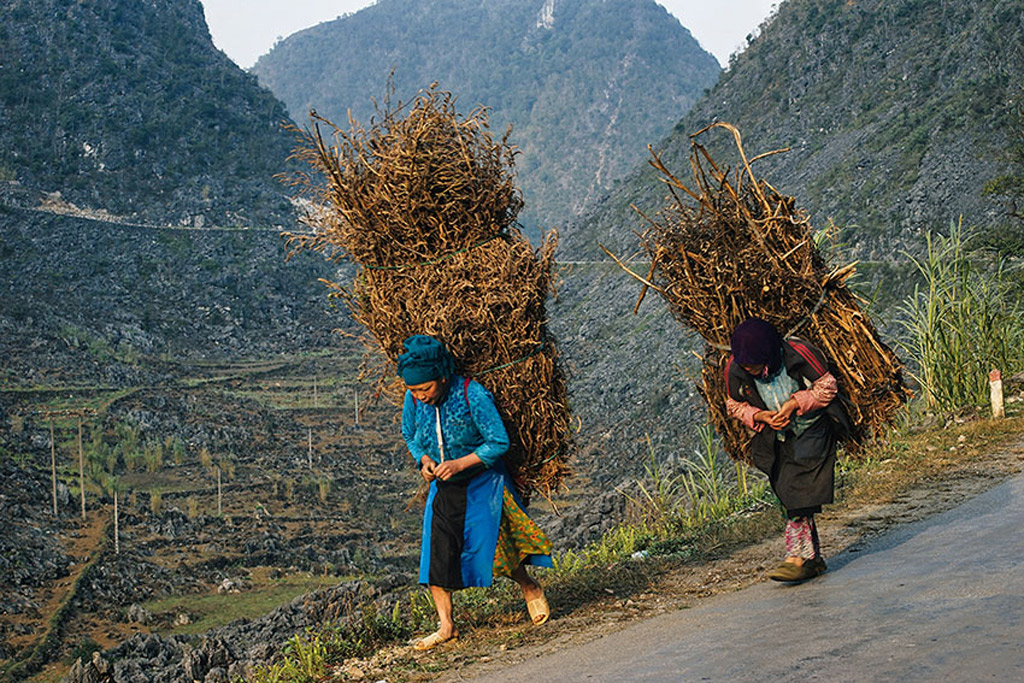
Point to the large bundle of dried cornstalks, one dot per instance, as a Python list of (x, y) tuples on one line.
[(423, 200), (731, 247)]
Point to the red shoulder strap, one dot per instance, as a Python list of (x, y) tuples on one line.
[(808, 355)]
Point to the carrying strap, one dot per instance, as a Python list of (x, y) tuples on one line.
[(440, 436), (808, 355)]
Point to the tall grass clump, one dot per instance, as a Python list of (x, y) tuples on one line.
[(310, 657), (707, 489), (303, 660), (962, 321), (672, 507), (617, 544)]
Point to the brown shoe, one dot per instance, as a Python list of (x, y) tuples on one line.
[(818, 565), (791, 573)]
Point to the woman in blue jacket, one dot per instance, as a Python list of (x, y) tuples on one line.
[(474, 527)]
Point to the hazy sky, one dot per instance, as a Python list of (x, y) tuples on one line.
[(247, 29)]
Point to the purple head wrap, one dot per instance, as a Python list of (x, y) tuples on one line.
[(756, 342)]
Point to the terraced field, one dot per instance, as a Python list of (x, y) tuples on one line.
[(241, 486)]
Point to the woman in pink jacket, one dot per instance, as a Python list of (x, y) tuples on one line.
[(783, 391)]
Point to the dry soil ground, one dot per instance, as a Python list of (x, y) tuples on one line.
[(922, 475)]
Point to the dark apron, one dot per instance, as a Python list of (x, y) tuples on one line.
[(801, 470)]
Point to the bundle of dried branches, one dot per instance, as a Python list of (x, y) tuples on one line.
[(423, 200), (730, 247)]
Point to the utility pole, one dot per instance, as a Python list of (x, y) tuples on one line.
[(53, 467), (81, 466), (117, 535), (68, 412)]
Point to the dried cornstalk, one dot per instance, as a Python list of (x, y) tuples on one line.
[(423, 200), (742, 249)]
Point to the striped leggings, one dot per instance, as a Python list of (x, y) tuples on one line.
[(802, 538)]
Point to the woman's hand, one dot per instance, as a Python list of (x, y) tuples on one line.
[(428, 469), (788, 408), (449, 468), (778, 419), (774, 419)]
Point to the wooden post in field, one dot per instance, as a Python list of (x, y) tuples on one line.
[(81, 466), (117, 539), (311, 448), (316, 403), (355, 396), (53, 468), (65, 413), (995, 390), (220, 509)]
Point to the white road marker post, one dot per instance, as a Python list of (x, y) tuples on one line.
[(995, 390)]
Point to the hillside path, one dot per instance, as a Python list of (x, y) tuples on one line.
[(940, 599)]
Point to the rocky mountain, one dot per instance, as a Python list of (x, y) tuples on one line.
[(126, 106), (198, 341), (585, 85), (139, 258), (88, 301), (895, 112)]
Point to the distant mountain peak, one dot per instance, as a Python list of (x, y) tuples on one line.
[(585, 85), (546, 17)]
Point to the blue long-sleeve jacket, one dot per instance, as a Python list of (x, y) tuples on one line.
[(470, 423)]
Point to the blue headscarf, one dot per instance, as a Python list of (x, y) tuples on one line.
[(756, 342), (425, 359)]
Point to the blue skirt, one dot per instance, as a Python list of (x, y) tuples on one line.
[(461, 522)]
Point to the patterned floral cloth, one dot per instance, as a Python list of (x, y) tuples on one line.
[(518, 538)]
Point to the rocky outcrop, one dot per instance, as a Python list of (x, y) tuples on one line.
[(30, 552), (894, 113), (586, 522), (227, 653)]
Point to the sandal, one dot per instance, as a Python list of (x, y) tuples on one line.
[(433, 640), (538, 609)]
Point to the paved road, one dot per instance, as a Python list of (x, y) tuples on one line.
[(938, 600)]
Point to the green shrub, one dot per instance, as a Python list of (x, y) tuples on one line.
[(308, 658), (962, 322), (83, 650)]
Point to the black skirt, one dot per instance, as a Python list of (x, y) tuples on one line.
[(801, 470)]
